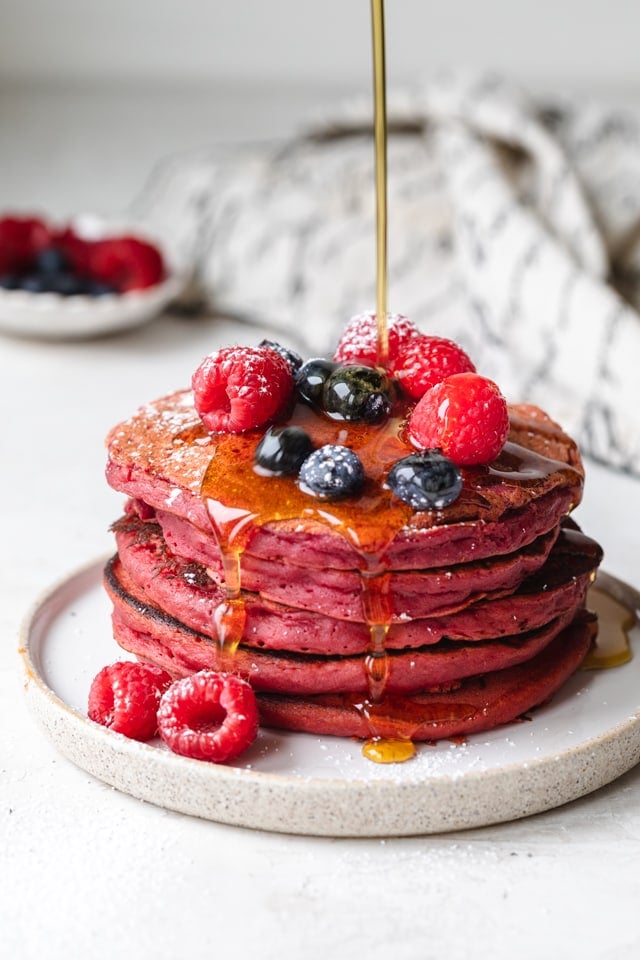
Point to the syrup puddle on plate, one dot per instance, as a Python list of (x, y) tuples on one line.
[(615, 621)]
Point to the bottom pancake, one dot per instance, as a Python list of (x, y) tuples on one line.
[(478, 704)]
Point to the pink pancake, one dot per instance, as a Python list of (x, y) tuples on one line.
[(185, 592)]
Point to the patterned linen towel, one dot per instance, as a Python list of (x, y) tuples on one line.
[(514, 228)]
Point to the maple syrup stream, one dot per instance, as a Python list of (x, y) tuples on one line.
[(380, 145)]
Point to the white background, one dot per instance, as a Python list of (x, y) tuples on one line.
[(93, 95), (581, 42)]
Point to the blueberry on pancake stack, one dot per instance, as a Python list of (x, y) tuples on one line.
[(380, 552)]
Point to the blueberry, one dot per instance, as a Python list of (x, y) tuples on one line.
[(283, 449), (34, 283), (51, 260), (332, 472), (66, 284), (356, 392), (97, 289), (311, 378), (9, 282), (293, 359), (426, 481)]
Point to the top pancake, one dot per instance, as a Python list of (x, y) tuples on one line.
[(161, 455)]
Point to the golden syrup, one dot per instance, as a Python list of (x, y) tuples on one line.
[(240, 496), (380, 143), (377, 609), (237, 496), (229, 619), (398, 717), (612, 647), (232, 529), (388, 750)]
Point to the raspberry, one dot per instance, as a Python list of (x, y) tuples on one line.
[(241, 388), (125, 263), (21, 238), (75, 249), (209, 716), (359, 342), (426, 361), (124, 697), (465, 416)]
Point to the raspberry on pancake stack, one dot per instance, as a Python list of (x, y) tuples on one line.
[(382, 553)]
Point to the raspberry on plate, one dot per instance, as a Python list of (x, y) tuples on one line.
[(359, 342), (209, 716), (465, 416), (241, 388), (125, 696), (425, 361)]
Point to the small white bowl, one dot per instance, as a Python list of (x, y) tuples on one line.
[(52, 316)]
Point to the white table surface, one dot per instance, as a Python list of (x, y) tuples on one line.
[(89, 872)]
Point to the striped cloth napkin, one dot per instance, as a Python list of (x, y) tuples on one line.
[(514, 228)]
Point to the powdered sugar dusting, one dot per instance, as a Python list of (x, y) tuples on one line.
[(309, 757), (166, 438)]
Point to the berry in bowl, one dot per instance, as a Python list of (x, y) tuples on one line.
[(81, 279)]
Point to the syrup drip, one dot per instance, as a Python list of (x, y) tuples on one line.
[(377, 608), (613, 646), (400, 719), (232, 529)]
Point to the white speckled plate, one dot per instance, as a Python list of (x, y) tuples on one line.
[(298, 783)]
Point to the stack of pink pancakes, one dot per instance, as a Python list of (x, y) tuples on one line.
[(485, 598)]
